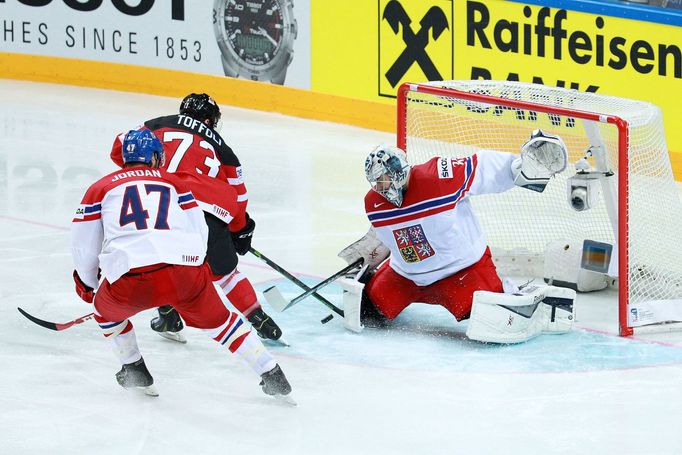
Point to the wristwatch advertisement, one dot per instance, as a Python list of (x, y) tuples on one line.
[(256, 38)]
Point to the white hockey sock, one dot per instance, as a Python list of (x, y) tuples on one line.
[(123, 342), (255, 355)]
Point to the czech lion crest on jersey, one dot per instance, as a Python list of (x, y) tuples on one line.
[(413, 245)]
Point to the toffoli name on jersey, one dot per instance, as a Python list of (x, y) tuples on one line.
[(200, 127), (137, 173)]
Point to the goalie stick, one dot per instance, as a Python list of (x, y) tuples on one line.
[(277, 301), (296, 281), (56, 325)]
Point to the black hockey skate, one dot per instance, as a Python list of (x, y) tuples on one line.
[(168, 324), (136, 376), (274, 383), (264, 325)]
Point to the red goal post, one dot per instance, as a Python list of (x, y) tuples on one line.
[(627, 143)]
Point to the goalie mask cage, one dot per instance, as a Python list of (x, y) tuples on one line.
[(638, 209)]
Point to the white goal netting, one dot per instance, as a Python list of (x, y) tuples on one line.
[(641, 205)]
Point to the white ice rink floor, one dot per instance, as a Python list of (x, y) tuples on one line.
[(418, 388)]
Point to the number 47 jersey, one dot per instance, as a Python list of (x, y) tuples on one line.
[(135, 217)]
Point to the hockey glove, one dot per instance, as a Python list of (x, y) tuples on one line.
[(84, 291), (242, 238), (369, 248)]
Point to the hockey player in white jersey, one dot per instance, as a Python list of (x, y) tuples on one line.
[(141, 231), (423, 221)]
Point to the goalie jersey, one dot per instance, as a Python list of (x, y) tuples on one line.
[(435, 233), (135, 217)]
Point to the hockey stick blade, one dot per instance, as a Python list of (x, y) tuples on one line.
[(275, 298), (56, 326)]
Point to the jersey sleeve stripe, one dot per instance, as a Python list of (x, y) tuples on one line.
[(92, 217), (186, 197), (189, 205), (92, 208)]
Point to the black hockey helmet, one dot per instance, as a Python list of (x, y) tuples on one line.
[(200, 106)]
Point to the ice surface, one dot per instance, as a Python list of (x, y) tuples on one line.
[(418, 387)]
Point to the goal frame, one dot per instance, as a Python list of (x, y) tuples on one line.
[(623, 142)]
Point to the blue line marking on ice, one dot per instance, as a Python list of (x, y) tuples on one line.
[(428, 338)]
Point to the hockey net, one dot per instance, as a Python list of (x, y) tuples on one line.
[(638, 209)]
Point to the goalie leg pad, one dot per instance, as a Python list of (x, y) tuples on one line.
[(352, 298), (515, 318)]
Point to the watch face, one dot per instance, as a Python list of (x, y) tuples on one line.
[(253, 29)]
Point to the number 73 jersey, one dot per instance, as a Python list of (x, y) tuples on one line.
[(191, 146), (135, 217)]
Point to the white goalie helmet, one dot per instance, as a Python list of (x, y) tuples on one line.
[(388, 172)]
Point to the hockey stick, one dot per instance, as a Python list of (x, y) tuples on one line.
[(296, 281), (56, 325), (277, 301)]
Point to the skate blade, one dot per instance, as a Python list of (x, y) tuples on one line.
[(149, 390), (278, 342), (174, 336), (286, 399)]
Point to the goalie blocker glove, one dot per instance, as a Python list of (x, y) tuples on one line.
[(542, 156), (370, 249)]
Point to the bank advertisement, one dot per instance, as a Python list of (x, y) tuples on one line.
[(371, 47), (263, 40)]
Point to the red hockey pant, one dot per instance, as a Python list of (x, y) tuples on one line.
[(392, 293), (189, 289)]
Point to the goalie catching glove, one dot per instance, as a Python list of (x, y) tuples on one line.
[(370, 249), (542, 156)]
